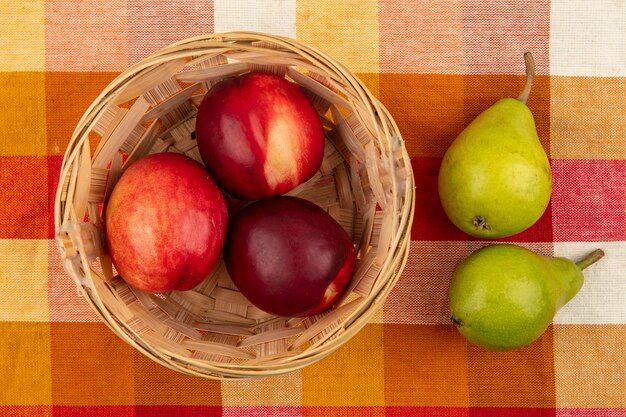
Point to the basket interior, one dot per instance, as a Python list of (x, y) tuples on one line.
[(152, 109)]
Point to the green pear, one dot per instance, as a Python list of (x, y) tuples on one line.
[(504, 296), (495, 178)]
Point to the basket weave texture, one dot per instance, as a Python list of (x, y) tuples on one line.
[(213, 331)]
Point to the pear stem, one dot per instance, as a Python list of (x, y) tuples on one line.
[(591, 259), (530, 76)]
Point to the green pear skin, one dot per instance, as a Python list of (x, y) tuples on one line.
[(504, 296), (495, 179)]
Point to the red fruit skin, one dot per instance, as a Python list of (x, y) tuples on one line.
[(289, 257), (165, 223), (259, 135)]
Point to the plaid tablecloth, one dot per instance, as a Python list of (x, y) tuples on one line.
[(435, 65)]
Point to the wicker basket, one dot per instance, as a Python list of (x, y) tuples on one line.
[(213, 331)]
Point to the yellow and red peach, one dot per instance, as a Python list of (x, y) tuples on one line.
[(165, 223)]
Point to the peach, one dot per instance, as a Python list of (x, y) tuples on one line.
[(259, 135), (288, 256), (166, 223)]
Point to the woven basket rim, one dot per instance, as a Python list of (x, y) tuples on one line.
[(353, 321)]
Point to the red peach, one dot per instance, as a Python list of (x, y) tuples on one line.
[(259, 135), (289, 257)]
